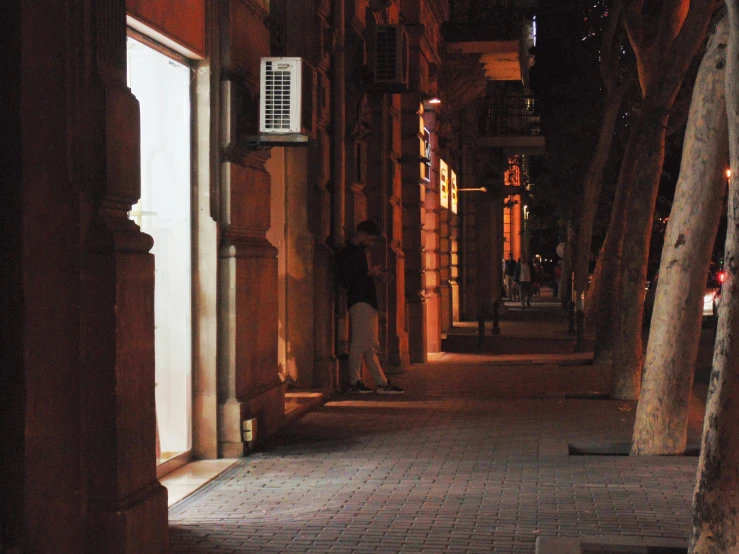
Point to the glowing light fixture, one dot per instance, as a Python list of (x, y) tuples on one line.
[(431, 101)]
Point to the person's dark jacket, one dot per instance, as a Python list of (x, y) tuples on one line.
[(510, 267), (353, 274)]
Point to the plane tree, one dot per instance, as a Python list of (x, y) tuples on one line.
[(672, 349), (665, 37), (715, 525)]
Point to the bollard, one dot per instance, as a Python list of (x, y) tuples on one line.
[(480, 329), (580, 322), (496, 318), (571, 318), (580, 333)]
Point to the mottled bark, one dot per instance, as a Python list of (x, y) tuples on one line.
[(644, 171), (663, 60), (617, 79), (591, 194), (715, 526), (662, 415), (602, 310)]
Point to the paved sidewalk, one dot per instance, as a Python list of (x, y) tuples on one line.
[(474, 458)]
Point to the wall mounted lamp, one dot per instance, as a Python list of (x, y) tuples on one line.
[(432, 101)]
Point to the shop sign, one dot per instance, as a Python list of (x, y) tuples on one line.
[(444, 184)]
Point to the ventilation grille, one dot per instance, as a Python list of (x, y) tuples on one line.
[(279, 83)]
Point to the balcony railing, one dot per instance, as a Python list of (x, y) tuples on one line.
[(510, 116)]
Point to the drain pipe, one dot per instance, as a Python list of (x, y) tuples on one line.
[(339, 181)]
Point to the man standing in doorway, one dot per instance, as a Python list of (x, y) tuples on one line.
[(359, 280)]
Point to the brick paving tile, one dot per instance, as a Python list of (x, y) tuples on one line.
[(473, 458)]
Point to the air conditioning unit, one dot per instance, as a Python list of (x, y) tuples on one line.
[(287, 101), (391, 52)]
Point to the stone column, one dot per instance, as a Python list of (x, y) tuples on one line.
[(126, 503), (445, 270), (454, 268), (414, 198), (248, 385), (326, 371), (205, 248), (319, 203), (398, 352), (489, 237), (431, 235)]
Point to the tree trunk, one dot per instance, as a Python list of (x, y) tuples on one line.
[(662, 415), (602, 298), (591, 194), (565, 284), (715, 526), (642, 166)]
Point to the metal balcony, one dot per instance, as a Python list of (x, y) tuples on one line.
[(510, 116), (511, 122)]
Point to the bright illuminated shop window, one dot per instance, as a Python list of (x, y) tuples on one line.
[(162, 87)]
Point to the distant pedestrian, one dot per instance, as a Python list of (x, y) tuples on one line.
[(537, 276), (510, 272), (359, 280), (557, 278), (523, 272)]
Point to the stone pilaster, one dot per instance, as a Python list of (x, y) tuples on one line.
[(445, 270), (248, 382), (249, 385), (454, 268), (128, 506), (398, 354), (414, 197), (325, 373)]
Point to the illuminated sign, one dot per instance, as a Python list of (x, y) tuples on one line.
[(444, 183), (454, 192), (426, 155)]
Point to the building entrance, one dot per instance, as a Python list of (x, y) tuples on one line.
[(162, 87)]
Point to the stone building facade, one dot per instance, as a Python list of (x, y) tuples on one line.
[(170, 278)]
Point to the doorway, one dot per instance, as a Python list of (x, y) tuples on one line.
[(162, 86)]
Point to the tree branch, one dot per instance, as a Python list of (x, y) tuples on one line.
[(609, 54), (692, 34), (671, 22), (637, 33), (634, 23)]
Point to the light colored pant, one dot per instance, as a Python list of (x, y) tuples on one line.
[(364, 343), (509, 286)]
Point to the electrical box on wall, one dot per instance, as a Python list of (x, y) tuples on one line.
[(287, 101), (390, 53), (249, 430)]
